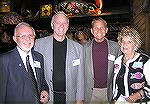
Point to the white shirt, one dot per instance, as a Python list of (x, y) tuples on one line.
[(23, 57)]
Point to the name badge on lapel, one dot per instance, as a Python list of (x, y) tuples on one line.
[(111, 57), (76, 62), (37, 64)]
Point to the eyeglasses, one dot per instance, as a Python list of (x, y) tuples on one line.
[(31, 36)]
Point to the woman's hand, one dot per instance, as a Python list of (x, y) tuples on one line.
[(135, 96)]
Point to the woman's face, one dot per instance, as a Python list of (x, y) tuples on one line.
[(127, 45), (81, 36)]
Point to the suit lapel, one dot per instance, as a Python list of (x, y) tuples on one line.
[(19, 61), (37, 70)]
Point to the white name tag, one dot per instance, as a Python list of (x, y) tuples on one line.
[(37, 64), (76, 62), (111, 57)]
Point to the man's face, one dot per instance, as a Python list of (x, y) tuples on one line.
[(24, 38), (60, 25), (99, 30)]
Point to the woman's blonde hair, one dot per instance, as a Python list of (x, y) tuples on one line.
[(128, 31)]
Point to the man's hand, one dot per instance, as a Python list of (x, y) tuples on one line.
[(44, 97), (79, 102)]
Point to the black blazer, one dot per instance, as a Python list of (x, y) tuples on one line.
[(15, 85)]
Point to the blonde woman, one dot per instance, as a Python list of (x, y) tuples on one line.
[(131, 81)]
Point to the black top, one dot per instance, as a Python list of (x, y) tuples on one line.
[(120, 82), (59, 63)]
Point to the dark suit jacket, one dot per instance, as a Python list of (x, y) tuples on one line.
[(15, 85)]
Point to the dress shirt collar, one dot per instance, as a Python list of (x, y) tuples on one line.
[(23, 57)]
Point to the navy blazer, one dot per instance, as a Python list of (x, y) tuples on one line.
[(15, 84)]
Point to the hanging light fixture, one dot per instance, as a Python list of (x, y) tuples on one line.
[(5, 6), (46, 10)]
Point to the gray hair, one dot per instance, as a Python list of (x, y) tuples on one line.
[(21, 25), (55, 15), (132, 33)]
